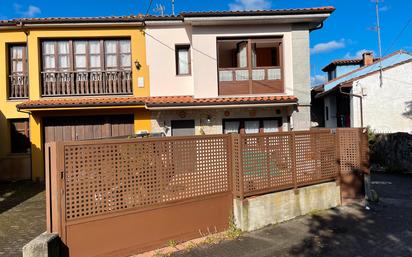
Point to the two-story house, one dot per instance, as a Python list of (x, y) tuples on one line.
[(68, 79), (192, 74), (231, 72)]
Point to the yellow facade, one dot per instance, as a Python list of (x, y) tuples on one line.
[(33, 39)]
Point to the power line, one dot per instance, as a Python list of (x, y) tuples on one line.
[(148, 8), (399, 34)]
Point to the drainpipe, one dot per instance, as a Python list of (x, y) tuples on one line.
[(360, 102), (317, 27)]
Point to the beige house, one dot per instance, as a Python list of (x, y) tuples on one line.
[(260, 58)]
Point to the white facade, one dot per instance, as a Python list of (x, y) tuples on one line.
[(330, 111), (385, 107), (160, 45), (202, 35), (203, 82)]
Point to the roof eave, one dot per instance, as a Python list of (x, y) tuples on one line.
[(216, 105), (313, 19), (54, 107)]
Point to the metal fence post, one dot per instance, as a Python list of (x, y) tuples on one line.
[(293, 156), (237, 164), (54, 165), (337, 155)]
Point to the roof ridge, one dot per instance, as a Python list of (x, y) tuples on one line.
[(366, 66), (328, 9)]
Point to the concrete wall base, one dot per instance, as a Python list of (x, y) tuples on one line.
[(256, 212), (45, 245)]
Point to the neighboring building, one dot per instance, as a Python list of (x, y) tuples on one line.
[(341, 67), (358, 98), (192, 74)]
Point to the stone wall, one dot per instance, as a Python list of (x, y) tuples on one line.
[(209, 121), (392, 152), (256, 212)]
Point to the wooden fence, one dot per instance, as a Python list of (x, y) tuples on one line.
[(111, 197)]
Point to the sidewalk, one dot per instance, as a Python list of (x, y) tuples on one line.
[(22, 215), (384, 230)]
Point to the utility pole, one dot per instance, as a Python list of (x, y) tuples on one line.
[(173, 7), (378, 29)]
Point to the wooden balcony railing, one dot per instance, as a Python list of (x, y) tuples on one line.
[(18, 86), (82, 83), (259, 80)]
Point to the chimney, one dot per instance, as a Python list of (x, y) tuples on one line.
[(367, 58)]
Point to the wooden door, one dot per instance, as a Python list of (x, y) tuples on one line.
[(87, 127)]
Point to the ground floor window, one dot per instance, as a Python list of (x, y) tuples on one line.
[(183, 127), (20, 136), (251, 126)]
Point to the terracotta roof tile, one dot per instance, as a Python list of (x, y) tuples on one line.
[(191, 101), (181, 16), (160, 101), (345, 62), (323, 9), (81, 102)]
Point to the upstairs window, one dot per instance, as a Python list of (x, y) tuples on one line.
[(250, 66), (18, 79), (20, 136), (18, 59), (86, 55), (183, 64)]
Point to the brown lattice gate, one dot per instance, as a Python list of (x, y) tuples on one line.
[(118, 197)]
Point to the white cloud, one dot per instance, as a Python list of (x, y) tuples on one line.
[(317, 79), (239, 5), (328, 47), (30, 12), (358, 54)]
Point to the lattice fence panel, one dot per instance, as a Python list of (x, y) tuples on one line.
[(349, 142), (107, 177), (266, 162), (306, 158), (271, 161), (326, 152)]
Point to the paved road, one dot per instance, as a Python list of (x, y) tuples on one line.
[(384, 230), (22, 215)]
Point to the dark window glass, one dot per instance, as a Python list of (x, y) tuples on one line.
[(20, 136)]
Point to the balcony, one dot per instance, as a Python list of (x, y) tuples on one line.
[(18, 86), (86, 83), (250, 66)]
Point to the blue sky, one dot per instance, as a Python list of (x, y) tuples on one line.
[(347, 33)]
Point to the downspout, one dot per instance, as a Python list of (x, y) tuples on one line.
[(360, 102), (26, 32), (320, 26)]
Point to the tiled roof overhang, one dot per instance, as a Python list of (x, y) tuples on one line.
[(314, 10), (153, 102), (141, 18)]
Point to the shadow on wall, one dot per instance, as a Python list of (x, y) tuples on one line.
[(408, 113), (13, 166)]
